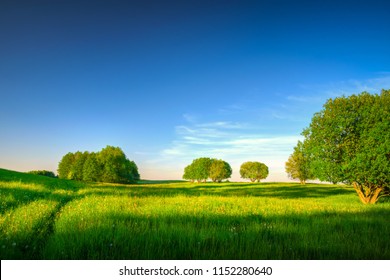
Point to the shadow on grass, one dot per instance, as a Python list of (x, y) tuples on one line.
[(174, 188), (314, 236), (188, 237), (241, 190)]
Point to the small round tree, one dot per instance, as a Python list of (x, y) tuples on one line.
[(254, 171), (219, 170)]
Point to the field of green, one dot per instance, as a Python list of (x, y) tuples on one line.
[(47, 218)]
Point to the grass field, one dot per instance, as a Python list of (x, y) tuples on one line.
[(45, 218)]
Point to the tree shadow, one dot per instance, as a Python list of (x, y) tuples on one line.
[(192, 237), (230, 190)]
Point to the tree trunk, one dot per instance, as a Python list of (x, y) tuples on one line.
[(368, 195)]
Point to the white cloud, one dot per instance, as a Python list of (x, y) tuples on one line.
[(255, 140), (231, 141)]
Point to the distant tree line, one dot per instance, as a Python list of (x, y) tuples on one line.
[(204, 168), (109, 165), (43, 173), (348, 142)]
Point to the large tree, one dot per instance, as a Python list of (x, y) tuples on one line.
[(298, 164), (253, 170), (350, 138), (219, 170)]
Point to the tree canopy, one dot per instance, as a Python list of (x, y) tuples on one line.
[(349, 141), (253, 170), (298, 164), (219, 170), (109, 165), (203, 168)]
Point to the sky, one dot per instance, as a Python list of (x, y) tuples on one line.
[(170, 81)]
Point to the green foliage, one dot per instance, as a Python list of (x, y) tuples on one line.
[(203, 168), (43, 173), (350, 139), (109, 165), (253, 170), (133, 169), (76, 171), (219, 170), (199, 170), (189, 173), (298, 164), (65, 166), (92, 168)]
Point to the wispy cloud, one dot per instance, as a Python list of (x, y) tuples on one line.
[(234, 142), (268, 133), (322, 92), (304, 99)]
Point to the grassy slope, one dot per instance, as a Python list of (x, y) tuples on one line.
[(45, 218)]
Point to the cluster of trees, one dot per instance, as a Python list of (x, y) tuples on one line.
[(349, 142), (217, 170), (109, 165), (203, 168), (43, 173)]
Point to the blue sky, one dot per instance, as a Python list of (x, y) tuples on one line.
[(169, 81)]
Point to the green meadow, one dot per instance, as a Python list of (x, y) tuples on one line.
[(48, 218)]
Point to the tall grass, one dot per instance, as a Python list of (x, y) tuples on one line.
[(179, 220)]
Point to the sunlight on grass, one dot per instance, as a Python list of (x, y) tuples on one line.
[(180, 220), (21, 228)]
